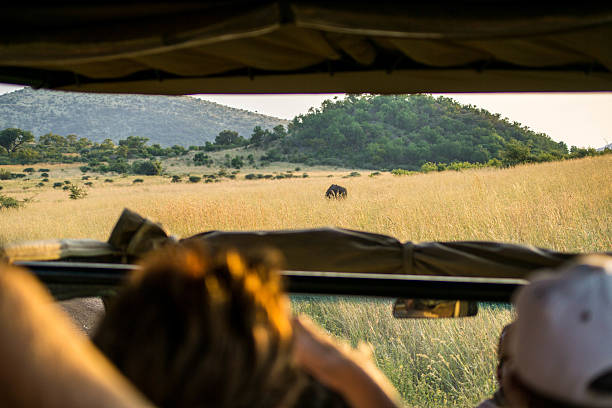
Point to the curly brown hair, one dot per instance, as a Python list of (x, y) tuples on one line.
[(192, 330)]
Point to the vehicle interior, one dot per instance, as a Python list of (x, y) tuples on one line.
[(430, 289)]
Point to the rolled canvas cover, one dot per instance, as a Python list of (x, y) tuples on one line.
[(308, 46), (321, 250)]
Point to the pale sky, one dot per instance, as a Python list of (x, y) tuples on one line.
[(580, 119)]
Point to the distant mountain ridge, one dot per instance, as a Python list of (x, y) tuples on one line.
[(167, 120)]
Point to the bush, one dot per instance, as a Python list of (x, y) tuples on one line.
[(45, 180), (89, 184), (298, 169), (494, 163), (66, 181), (29, 170), (250, 176), (65, 187), (44, 170), (305, 175), (45, 175), (8, 202), (57, 184), (138, 181), (85, 169), (402, 172), (355, 174), (176, 179), (85, 178), (5, 174), (429, 166), (120, 167), (147, 168), (76, 192), (1, 187), (40, 185), (376, 173), (109, 180), (194, 179)]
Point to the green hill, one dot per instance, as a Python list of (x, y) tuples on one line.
[(165, 120), (405, 132)]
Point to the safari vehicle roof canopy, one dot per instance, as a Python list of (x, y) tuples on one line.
[(187, 47)]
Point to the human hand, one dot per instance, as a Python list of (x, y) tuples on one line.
[(350, 372)]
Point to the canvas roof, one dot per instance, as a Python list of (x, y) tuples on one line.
[(191, 47)]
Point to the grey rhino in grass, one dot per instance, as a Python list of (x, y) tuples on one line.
[(336, 191)]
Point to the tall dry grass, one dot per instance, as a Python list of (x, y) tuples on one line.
[(432, 363), (565, 206)]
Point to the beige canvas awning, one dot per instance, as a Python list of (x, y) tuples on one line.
[(306, 46)]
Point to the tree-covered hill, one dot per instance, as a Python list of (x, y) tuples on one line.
[(406, 132), (165, 120)]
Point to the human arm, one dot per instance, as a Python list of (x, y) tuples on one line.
[(350, 372), (46, 362)]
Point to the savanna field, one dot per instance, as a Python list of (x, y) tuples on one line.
[(565, 206)]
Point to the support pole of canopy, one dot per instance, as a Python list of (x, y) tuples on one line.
[(315, 283)]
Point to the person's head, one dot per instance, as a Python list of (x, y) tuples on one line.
[(560, 343), (192, 329)]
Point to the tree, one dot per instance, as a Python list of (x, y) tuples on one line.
[(515, 153), (12, 139), (227, 137), (257, 137)]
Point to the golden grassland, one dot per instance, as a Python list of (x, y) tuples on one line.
[(562, 205), (565, 206)]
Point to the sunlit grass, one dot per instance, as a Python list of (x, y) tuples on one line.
[(565, 206), (432, 363)]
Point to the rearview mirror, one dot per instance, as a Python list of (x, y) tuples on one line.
[(433, 308)]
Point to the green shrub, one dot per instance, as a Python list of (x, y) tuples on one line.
[(138, 181), (208, 180), (45, 175), (376, 173), (5, 174), (29, 170), (66, 187), (57, 184), (76, 192), (194, 179), (40, 185), (66, 181), (176, 179), (298, 169), (17, 175), (305, 175), (355, 174), (495, 163), (8, 202), (402, 172), (85, 169), (85, 178), (89, 184), (45, 180), (109, 180), (44, 170), (429, 166), (250, 176), (147, 168)]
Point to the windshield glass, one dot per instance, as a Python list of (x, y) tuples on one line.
[(416, 168)]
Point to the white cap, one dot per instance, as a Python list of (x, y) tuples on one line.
[(562, 338)]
